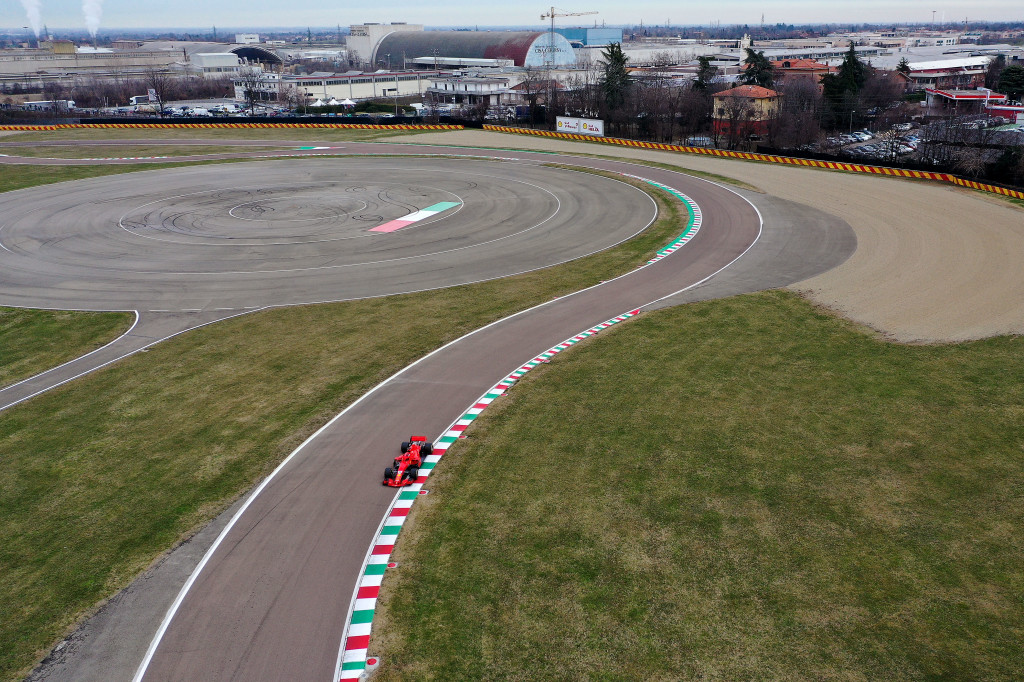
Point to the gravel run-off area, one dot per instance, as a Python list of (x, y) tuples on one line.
[(934, 262)]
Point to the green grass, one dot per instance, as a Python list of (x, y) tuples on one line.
[(747, 489), (102, 475), (22, 176), (310, 134), (71, 151), (715, 177), (1012, 201), (32, 341)]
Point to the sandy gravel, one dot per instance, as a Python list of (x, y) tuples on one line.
[(933, 263)]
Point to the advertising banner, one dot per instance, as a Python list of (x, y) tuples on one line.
[(580, 126)]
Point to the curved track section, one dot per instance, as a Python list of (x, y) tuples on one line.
[(288, 232), (280, 579), (270, 601)]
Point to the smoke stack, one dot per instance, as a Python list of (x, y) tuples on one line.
[(34, 15), (93, 10)]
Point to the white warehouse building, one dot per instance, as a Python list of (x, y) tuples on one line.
[(216, 64)]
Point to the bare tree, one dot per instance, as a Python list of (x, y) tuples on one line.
[(693, 111), (253, 81), (970, 161), (736, 120), (54, 91), (582, 95), (798, 122), (292, 98), (655, 98), (159, 82), (532, 87)]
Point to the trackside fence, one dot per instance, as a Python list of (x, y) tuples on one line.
[(723, 153), (770, 158)]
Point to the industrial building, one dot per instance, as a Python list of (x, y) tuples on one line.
[(33, 68), (396, 45), (468, 91), (353, 86), (216, 64), (963, 73), (591, 37)]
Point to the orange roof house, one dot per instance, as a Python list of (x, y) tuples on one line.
[(791, 70), (744, 111)]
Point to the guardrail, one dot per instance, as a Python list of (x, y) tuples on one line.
[(770, 158)]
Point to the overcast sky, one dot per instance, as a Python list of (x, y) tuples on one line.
[(239, 13)]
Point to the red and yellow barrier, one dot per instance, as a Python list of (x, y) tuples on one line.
[(724, 153), (768, 158)]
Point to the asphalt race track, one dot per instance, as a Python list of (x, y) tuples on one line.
[(246, 236), (196, 243)]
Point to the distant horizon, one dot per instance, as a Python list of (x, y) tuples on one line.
[(227, 29), (113, 16)]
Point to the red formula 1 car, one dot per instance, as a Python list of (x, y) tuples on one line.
[(406, 467)]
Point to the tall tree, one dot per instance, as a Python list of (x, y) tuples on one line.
[(994, 70), (1011, 82), (706, 73), (615, 81), (850, 77), (841, 88), (853, 73), (758, 70), (903, 67)]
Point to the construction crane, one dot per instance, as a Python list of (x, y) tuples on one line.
[(555, 12)]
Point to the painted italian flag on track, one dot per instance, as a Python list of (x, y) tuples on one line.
[(423, 214)]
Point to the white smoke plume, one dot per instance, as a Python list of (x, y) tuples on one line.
[(34, 17), (92, 9)]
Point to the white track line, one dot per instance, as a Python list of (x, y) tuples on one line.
[(52, 369), (122, 357), (184, 590), (144, 665), (355, 591)]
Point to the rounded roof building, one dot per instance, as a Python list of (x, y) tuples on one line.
[(524, 48)]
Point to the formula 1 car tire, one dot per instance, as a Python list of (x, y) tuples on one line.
[(427, 449), (405, 446), (413, 473), (389, 474)]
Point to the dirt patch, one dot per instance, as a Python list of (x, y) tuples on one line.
[(933, 263)]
